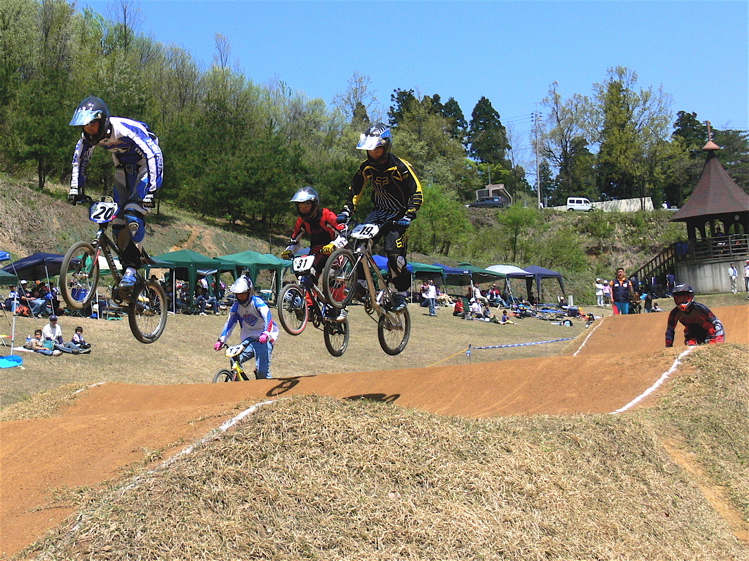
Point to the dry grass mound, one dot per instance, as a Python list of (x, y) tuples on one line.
[(318, 478)]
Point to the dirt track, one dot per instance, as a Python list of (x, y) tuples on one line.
[(115, 425)]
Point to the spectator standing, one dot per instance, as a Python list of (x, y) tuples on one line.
[(670, 283), (733, 275), (606, 292), (599, 293), (431, 296), (746, 278), (621, 292)]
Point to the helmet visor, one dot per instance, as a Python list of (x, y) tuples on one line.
[(83, 116), (367, 142)]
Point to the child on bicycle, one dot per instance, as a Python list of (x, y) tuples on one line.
[(396, 195), (139, 170), (258, 330), (700, 324), (323, 229)]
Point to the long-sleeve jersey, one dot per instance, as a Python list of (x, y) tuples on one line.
[(396, 191), (254, 319), (700, 324), (131, 144), (322, 229)]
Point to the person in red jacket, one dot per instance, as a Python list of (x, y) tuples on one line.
[(700, 324)]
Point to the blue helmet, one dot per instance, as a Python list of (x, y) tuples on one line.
[(92, 109)]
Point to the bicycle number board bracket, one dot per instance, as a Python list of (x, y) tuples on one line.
[(102, 212), (303, 264), (365, 231)]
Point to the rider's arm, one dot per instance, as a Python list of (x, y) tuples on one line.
[(412, 186), (712, 324), (355, 190), (81, 157), (671, 327)]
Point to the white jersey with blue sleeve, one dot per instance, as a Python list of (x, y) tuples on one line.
[(254, 319), (131, 144)]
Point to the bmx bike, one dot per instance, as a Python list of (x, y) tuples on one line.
[(145, 303), (340, 276), (235, 372), (302, 301)]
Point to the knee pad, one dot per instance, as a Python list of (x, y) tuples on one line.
[(136, 223)]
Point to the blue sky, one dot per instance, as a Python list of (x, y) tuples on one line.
[(508, 52)]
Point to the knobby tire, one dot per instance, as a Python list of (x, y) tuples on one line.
[(79, 275)]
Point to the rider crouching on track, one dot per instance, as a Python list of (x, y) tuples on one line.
[(139, 172), (258, 330), (396, 195), (700, 324), (323, 229)]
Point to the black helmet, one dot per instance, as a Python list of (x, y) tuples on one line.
[(92, 109), (306, 195), (683, 296), (376, 136)]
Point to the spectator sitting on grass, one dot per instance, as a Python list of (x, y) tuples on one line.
[(36, 344)]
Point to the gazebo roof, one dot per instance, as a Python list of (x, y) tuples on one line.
[(715, 193)]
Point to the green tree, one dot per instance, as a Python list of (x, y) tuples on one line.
[(486, 134), (441, 224), (518, 223)]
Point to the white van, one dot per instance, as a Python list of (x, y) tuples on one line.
[(579, 203)]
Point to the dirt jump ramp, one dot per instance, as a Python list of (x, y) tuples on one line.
[(115, 425)]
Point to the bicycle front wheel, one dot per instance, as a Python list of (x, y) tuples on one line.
[(336, 337), (224, 375), (292, 309), (79, 275), (339, 278), (394, 333), (147, 311)]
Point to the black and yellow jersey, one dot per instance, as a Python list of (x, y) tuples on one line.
[(396, 191)]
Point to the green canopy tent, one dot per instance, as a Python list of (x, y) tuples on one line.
[(479, 275), (254, 262), (186, 263), (8, 279)]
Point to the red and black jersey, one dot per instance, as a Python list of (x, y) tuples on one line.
[(700, 325), (321, 230)]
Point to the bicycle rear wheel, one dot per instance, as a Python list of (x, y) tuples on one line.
[(147, 311), (336, 337), (339, 278), (394, 334), (79, 275), (292, 309), (224, 375)]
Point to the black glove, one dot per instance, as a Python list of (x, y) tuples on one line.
[(148, 201)]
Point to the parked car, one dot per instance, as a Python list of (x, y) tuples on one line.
[(487, 202), (579, 203)]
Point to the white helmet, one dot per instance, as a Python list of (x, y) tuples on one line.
[(243, 285)]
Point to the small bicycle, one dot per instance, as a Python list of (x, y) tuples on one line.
[(302, 301), (235, 372), (340, 276), (145, 303)]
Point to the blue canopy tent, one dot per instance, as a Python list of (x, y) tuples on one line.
[(4, 256), (36, 267), (417, 270), (538, 274)]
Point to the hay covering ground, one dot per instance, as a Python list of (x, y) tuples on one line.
[(318, 478)]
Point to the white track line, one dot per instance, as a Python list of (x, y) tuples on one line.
[(597, 325), (657, 384)]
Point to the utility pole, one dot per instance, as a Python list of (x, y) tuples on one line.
[(536, 116)]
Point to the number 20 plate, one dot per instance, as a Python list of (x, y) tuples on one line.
[(102, 212)]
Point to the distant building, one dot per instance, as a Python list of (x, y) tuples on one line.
[(495, 190)]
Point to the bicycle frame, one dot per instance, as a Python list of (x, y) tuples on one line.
[(380, 296)]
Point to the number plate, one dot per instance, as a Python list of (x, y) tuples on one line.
[(365, 231), (102, 212), (303, 264)]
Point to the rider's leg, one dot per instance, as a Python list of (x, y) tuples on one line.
[(129, 228), (395, 249), (262, 352)]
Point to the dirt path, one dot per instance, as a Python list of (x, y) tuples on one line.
[(112, 426)]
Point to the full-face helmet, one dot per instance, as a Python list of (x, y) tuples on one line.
[(242, 288), (376, 136), (306, 195), (683, 297), (92, 109)]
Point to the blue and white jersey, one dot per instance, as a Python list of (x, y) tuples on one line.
[(254, 318), (131, 144)]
